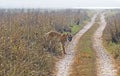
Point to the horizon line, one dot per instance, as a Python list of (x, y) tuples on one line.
[(60, 8)]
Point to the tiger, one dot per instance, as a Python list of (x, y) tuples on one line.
[(62, 38)]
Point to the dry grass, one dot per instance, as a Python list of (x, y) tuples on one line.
[(84, 62), (111, 37), (21, 53), (22, 47)]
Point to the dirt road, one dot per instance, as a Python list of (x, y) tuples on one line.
[(105, 65), (63, 66)]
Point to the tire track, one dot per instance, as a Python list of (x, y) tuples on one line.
[(63, 65), (105, 65)]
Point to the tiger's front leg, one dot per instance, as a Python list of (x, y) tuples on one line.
[(63, 48)]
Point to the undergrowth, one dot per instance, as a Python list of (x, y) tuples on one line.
[(22, 50)]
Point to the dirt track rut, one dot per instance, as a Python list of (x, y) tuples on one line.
[(105, 65)]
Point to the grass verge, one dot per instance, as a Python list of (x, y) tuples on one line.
[(76, 28), (114, 50), (84, 61)]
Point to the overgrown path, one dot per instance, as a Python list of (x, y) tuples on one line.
[(64, 64), (105, 65)]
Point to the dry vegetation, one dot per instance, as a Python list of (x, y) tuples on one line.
[(112, 35), (22, 47)]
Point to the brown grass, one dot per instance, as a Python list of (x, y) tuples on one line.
[(22, 50), (111, 37)]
